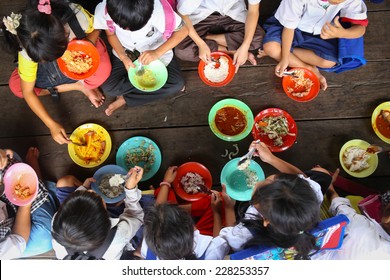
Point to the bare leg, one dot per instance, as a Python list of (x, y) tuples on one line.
[(119, 102), (309, 56), (219, 38), (32, 160), (68, 181), (94, 95)]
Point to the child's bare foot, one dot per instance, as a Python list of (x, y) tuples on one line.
[(261, 53), (119, 102), (32, 160), (252, 58), (95, 96), (321, 78)]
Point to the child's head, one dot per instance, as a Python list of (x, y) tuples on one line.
[(130, 14), (82, 222), (289, 209), (169, 232)]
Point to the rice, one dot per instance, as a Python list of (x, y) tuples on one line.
[(190, 181), (217, 75), (77, 62), (355, 159), (109, 188)]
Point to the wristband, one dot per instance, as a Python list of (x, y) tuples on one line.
[(165, 183)]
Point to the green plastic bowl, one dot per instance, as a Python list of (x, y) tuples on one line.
[(238, 105), (154, 77), (235, 179)]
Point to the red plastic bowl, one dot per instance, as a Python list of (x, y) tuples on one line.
[(87, 48), (196, 168), (288, 82), (24, 175), (230, 76), (288, 140)]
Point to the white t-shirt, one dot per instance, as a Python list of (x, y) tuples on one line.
[(198, 10), (311, 15), (149, 37)]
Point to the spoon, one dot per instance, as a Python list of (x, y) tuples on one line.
[(203, 189), (77, 144), (140, 69), (375, 149), (246, 158), (290, 73)]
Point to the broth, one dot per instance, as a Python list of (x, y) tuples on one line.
[(230, 121), (383, 126)]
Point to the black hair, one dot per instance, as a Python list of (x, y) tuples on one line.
[(130, 14), (82, 222), (169, 232), (292, 209)]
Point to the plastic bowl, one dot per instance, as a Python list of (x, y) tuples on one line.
[(228, 79), (76, 152), (85, 48), (288, 82), (23, 175), (139, 144), (235, 179), (375, 114), (288, 140), (104, 170), (242, 107), (194, 167), (372, 161), (154, 77)]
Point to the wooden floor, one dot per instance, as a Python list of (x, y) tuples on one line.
[(179, 125)]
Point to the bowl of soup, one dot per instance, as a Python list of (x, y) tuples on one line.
[(231, 119), (380, 121)]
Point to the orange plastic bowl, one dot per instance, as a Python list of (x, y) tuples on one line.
[(288, 140), (194, 167), (23, 176), (85, 48), (228, 79), (288, 82)]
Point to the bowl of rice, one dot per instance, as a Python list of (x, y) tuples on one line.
[(189, 176), (240, 182), (154, 77), (80, 60), (219, 72), (302, 86)]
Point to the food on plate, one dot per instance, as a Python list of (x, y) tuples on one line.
[(190, 182), (382, 123), (77, 62), (111, 185), (143, 155), (147, 80), (275, 127), (355, 159), (22, 192), (302, 85), (230, 121), (244, 165), (93, 149), (251, 177), (217, 71)]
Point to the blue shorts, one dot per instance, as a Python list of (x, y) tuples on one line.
[(326, 49)]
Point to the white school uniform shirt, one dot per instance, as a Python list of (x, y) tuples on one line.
[(149, 37), (212, 248), (364, 237), (311, 15), (239, 235), (198, 10), (128, 224)]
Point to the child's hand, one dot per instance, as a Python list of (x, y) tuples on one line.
[(216, 201), (330, 31), (240, 57), (229, 202), (170, 174), (204, 53), (281, 67), (148, 56), (87, 182), (135, 174), (58, 133), (128, 63), (262, 151)]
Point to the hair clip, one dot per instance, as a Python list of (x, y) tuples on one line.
[(44, 6), (12, 22)]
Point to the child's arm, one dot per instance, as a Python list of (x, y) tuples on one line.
[(241, 55), (57, 131), (169, 177), (93, 36), (151, 55), (22, 225), (216, 204), (230, 215), (336, 30), (119, 49), (266, 155), (204, 50), (287, 38)]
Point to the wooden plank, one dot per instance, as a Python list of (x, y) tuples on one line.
[(318, 142)]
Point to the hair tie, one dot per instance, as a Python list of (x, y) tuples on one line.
[(44, 6), (12, 22)]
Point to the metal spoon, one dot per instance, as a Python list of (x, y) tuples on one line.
[(203, 189), (375, 149), (290, 73), (140, 69)]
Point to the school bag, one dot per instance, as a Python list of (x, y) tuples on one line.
[(96, 254)]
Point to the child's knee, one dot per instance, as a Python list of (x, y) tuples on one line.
[(272, 49), (68, 181), (320, 169)]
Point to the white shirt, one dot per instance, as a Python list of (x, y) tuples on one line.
[(149, 37), (310, 15), (364, 237), (128, 223), (198, 10), (213, 248)]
